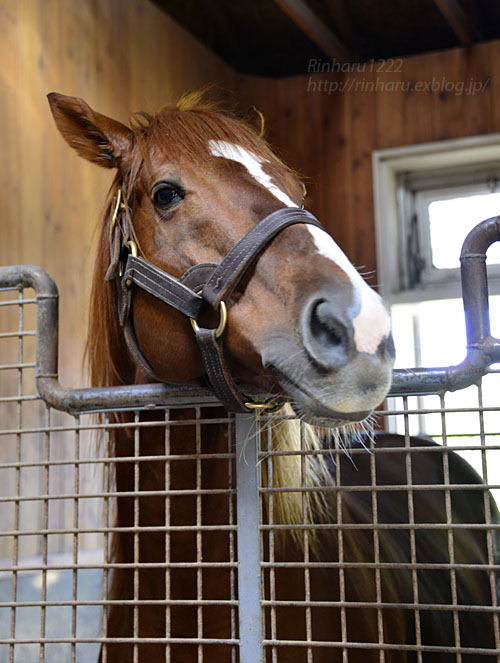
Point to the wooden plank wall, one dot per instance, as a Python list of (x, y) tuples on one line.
[(120, 56), (329, 137)]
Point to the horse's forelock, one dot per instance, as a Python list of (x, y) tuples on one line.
[(184, 130)]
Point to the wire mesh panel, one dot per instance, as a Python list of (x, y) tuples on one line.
[(402, 557), (182, 533), (162, 479)]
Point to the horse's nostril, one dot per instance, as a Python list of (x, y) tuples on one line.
[(325, 326), (326, 335)]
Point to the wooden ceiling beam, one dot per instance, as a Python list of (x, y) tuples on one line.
[(341, 21), (319, 33), (456, 17)]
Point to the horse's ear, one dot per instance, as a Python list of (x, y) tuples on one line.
[(95, 137)]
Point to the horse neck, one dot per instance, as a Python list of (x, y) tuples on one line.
[(181, 456)]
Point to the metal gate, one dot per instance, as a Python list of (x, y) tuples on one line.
[(57, 500)]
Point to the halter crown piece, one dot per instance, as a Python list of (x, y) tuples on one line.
[(200, 285)]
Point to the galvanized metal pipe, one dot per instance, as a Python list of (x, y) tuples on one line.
[(482, 348), (248, 518)]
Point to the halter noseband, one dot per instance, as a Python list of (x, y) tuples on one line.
[(204, 283)]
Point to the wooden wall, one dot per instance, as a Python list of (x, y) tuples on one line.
[(330, 136), (119, 55)]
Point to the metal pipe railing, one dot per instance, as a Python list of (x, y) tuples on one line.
[(482, 349)]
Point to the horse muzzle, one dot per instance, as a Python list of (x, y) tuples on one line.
[(328, 378)]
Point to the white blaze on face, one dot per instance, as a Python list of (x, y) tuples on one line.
[(372, 323), (253, 163)]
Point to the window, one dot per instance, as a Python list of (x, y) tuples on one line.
[(428, 197), (438, 212), (417, 192)]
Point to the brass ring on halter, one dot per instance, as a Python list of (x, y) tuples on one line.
[(259, 406), (222, 321)]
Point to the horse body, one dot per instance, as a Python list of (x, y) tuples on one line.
[(179, 546), (303, 325)]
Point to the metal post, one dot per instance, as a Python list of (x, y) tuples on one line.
[(249, 572)]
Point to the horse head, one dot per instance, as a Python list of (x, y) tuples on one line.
[(302, 322)]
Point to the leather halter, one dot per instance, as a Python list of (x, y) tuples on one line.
[(201, 284)]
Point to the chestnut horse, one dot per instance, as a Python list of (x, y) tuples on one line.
[(194, 189)]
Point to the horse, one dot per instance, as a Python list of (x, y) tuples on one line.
[(210, 271)]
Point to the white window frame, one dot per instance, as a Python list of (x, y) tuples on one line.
[(389, 167)]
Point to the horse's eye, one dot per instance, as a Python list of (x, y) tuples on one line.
[(166, 194)]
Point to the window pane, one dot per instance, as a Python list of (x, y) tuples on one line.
[(450, 222), (432, 333)]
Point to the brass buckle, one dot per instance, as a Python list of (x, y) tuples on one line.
[(133, 250), (118, 206)]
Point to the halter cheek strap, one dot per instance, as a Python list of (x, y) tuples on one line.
[(201, 284)]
